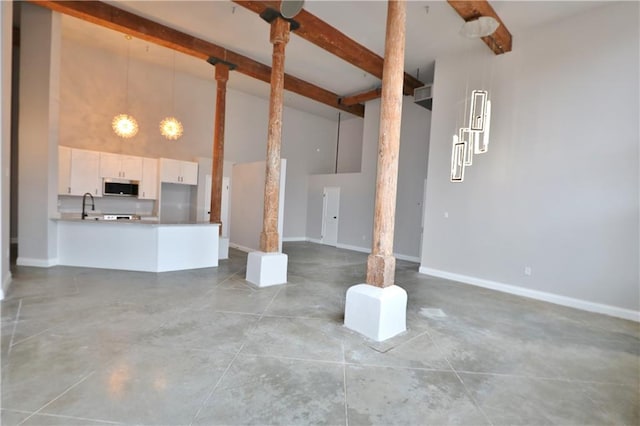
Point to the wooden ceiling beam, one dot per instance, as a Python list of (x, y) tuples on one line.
[(501, 40), (323, 35), (362, 97), (120, 20)]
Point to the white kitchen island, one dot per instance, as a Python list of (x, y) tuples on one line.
[(136, 245)]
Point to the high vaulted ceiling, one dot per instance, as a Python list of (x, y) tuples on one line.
[(432, 30)]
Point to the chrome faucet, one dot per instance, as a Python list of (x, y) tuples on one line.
[(84, 199)]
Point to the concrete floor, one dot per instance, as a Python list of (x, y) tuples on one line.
[(89, 347)]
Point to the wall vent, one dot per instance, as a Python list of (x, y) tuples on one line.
[(423, 96)]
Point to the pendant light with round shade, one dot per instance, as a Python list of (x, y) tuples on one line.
[(171, 128)]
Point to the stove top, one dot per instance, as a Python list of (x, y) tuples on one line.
[(120, 217)]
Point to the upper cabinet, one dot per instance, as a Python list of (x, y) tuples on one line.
[(78, 172), (120, 166), (149, 183), (81, 171), (176, 171)]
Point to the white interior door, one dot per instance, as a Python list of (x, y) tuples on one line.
[(330, 215), (224, 206)]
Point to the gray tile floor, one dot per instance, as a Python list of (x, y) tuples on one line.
[(90, 347)]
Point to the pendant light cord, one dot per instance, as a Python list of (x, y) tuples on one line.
[(127, 79), (173, 87)]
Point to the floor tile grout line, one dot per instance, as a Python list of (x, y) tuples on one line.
[(291, 358), (475, 402), (600, 409), (548, 379), (62, 416), (57, 397), (188, 305), (349, 364), (270, 303), (406, 341), (250, 314), (204, 402), (215, 287), (293, 317), (464, 386), (344, 385), (15, 326), (31, 337), (15, 410), (450, 370)]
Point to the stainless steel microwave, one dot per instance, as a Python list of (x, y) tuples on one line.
[(120, 187)]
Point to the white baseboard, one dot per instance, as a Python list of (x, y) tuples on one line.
[(40, 263), (571, 302), (241, 248), (413, 259), (5, 285), (341, 246), (368, 250), (353, 248)]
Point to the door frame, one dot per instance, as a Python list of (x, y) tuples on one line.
[(224, 208), (324, 215)]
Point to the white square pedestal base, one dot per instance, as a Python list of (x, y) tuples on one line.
[(377, 313), (223, 248), (265, 269)]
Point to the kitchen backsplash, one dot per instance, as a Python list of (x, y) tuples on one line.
[(119, 205)]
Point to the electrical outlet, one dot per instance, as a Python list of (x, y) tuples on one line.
[(527, 271), (446, 215)]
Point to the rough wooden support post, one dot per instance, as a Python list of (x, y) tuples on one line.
[(269, 238), (222, 75), (381, 263)]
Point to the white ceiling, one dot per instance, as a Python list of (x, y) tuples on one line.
[(432, 29)]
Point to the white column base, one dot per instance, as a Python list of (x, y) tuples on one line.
[(377, 313), (266, 269), (223, 248)]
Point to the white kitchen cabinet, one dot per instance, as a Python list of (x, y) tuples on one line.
[(84, 173), (120, 166), (148, 189), (64, 170), (131, 167), (189, 173), (176, 171)]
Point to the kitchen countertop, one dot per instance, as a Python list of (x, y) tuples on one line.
[(136, 245), (131, 222)]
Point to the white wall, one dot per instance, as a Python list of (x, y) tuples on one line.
[(38, 135), (6, 18), (558, 189), (92, 92), (308, 144), (350, 145), (357, 190), (247, 203)]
